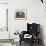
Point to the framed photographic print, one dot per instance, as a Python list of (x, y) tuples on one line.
[(21, 14)]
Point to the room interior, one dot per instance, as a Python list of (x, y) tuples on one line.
[(16, 15)]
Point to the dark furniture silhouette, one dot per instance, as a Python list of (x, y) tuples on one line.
[(33, 30), (42, 1)]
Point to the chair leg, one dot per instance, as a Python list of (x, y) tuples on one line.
[(20, 42), (32, 42)]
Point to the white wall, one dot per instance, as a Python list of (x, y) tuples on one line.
[(3, 21), (3, 1), (35, 13)]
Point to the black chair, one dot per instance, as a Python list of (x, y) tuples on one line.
[(32, 29)]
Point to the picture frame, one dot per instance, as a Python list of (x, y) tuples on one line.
[(21, 14)]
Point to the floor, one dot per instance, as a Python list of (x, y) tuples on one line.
[(27, 44), (22, 44), (5, 44)]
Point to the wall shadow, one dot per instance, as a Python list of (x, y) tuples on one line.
[(41, 35)]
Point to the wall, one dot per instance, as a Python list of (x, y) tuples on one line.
[(35, 14), (44, 32), (3, 1), (3, 21)]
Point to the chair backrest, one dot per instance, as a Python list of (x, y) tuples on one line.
[(33, 28)]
